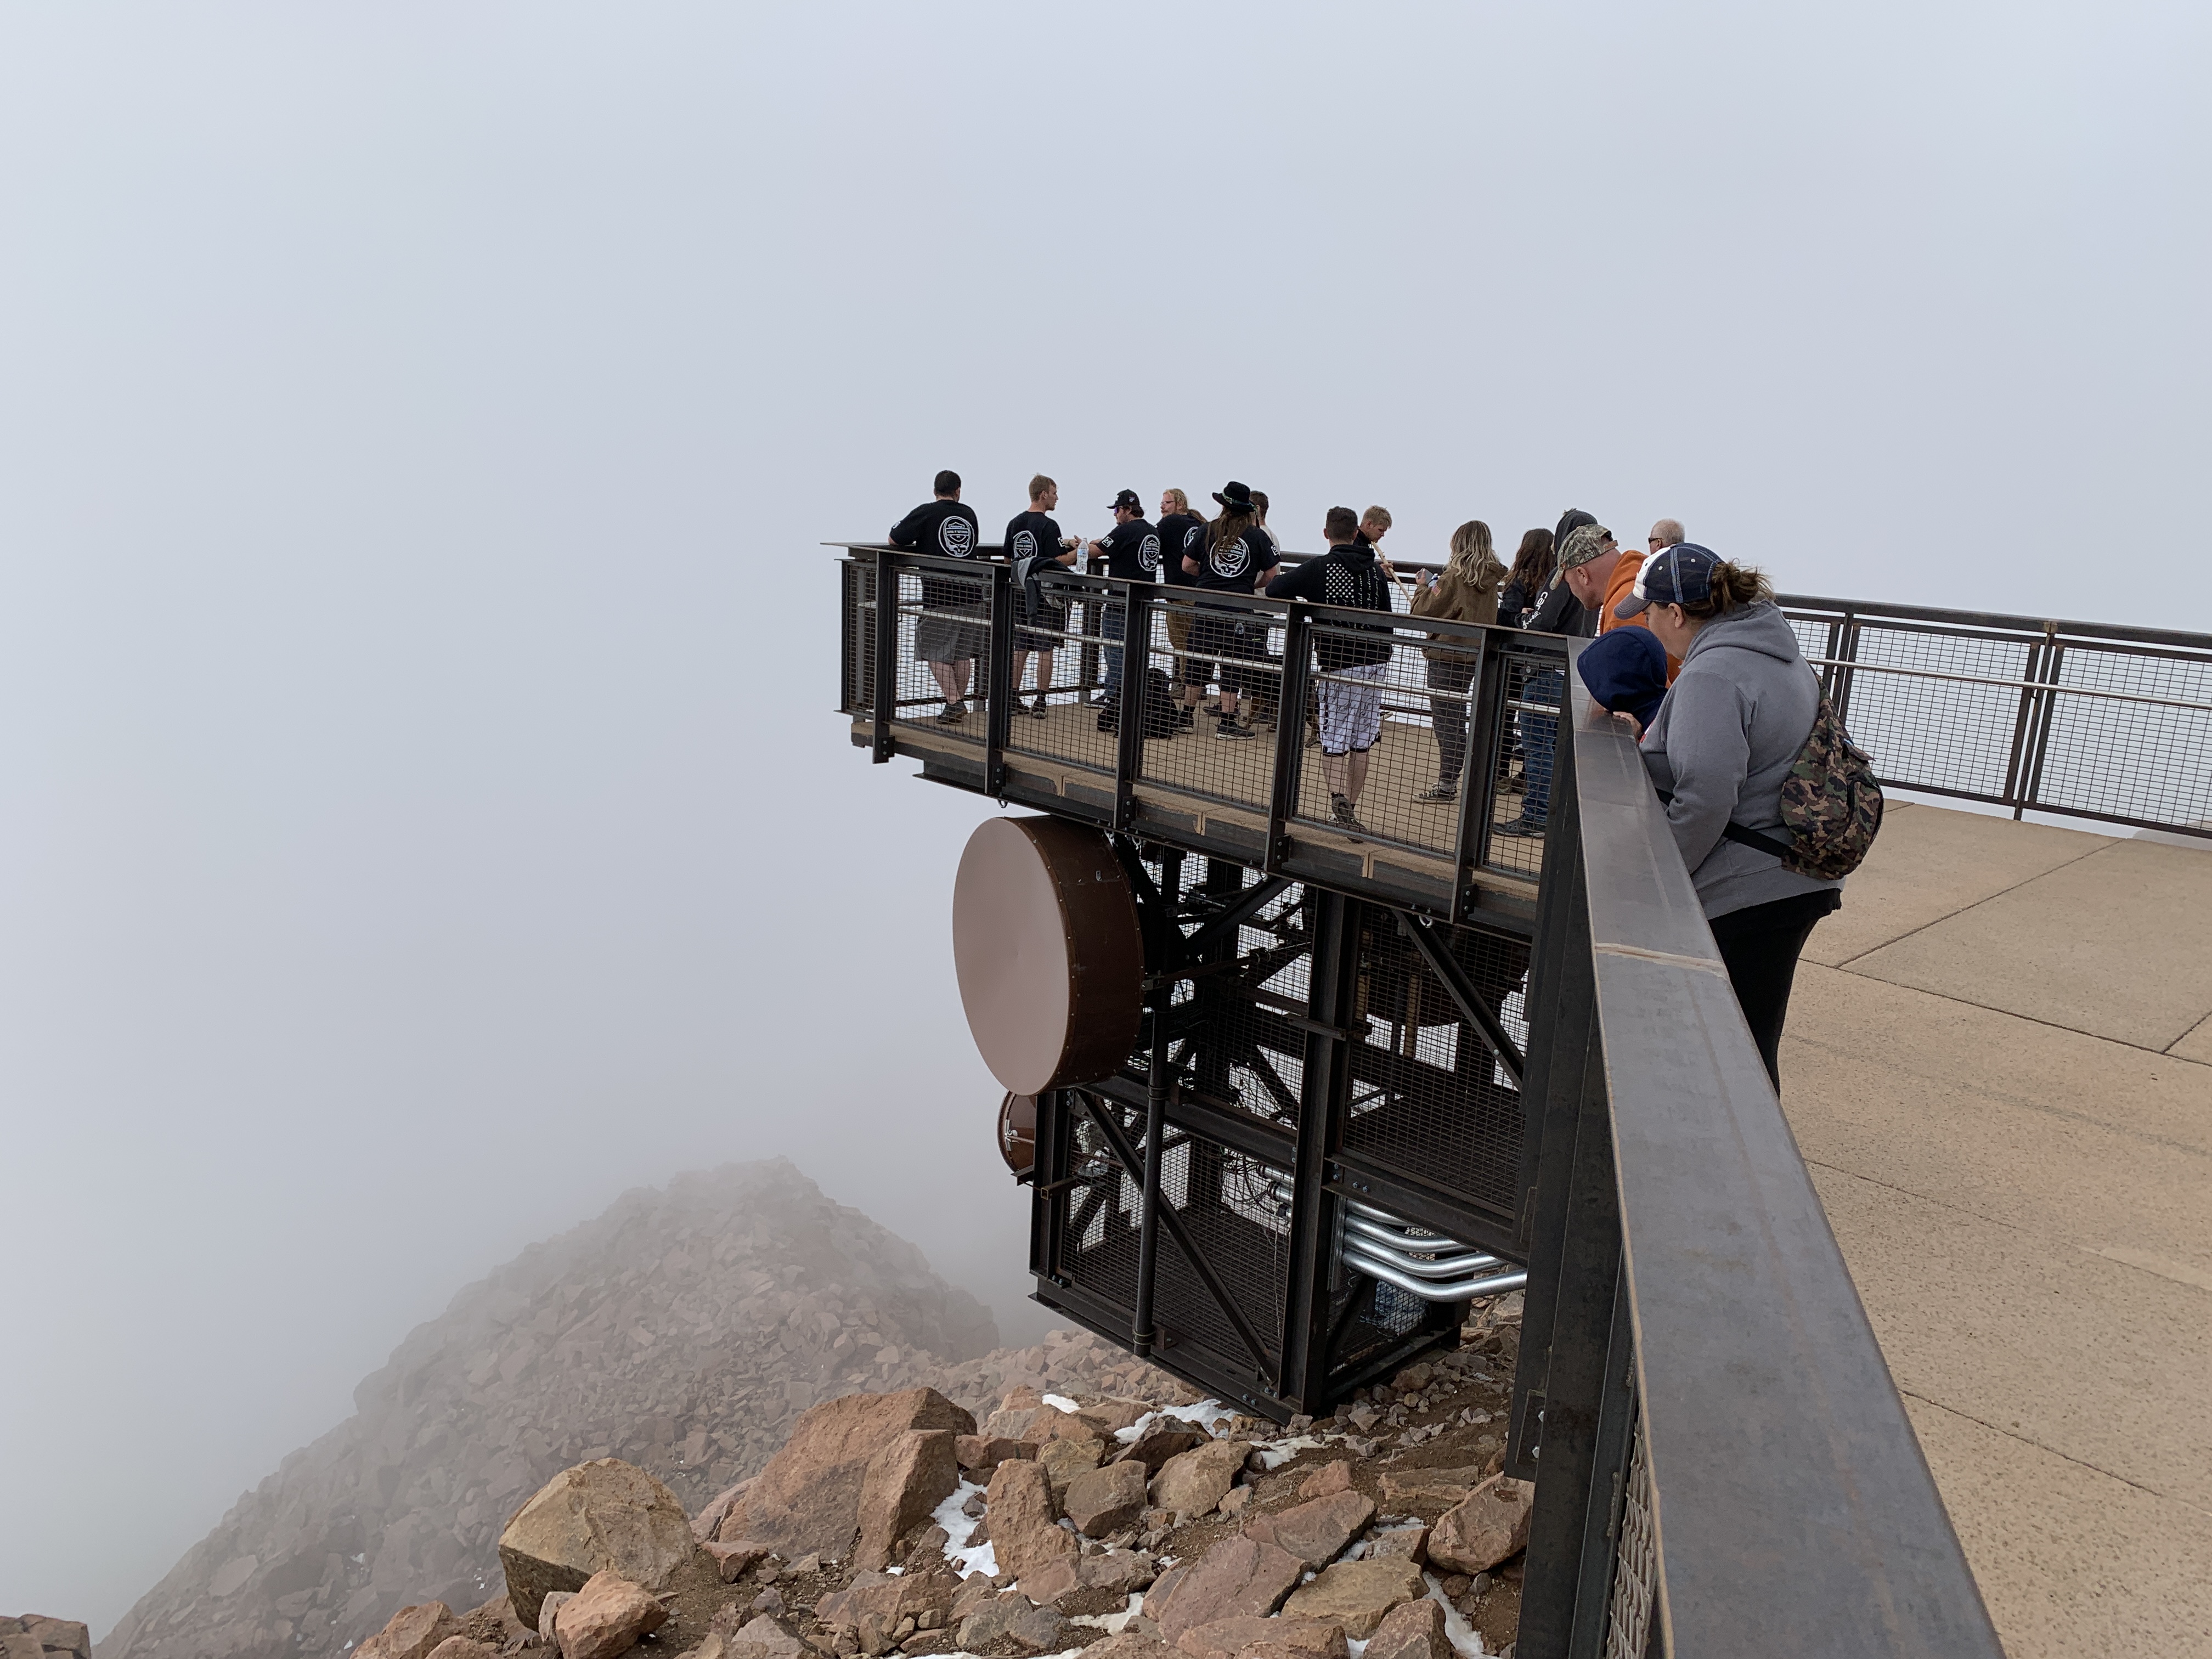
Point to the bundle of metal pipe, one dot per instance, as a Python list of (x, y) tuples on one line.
[(1415, 1261)]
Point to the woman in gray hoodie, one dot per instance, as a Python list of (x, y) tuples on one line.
[(1720, 747)]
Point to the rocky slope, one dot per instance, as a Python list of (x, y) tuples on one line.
[(684, 1330), (1116, 1526)]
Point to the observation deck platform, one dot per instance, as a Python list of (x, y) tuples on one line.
[(1998, 1066)]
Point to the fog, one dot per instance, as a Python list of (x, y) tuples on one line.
[(423, 813)]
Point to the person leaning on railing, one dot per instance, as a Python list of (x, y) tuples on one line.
[(945, 527), (1032, 542), (1719, 750), (1131, 552), (1468, 592)]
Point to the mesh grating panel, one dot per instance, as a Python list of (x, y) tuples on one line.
[(944, 634), (2136, 759), (1632, 1620), (1226, 1200), (1239, 654), (1429, 1097)]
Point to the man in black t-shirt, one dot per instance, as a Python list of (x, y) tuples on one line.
[(1353, 662), (1231, 555), (1033, 546), (1130, 552), (945, 529), (1180, 531)]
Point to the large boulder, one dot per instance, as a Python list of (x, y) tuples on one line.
[(1358, 1594), (1025, 1533), (1412, 1630), (807, 1500), (1100, 1501), (1225, 1638), (1017, 1619), (606, 1616), (1193, 1482), (1161, 1440), (1128, 1644), (412, 1633), (1237, 1577), (1315, 1531), (907, 1479), (1067, 1457), (602, 1516), (1491, 1526)]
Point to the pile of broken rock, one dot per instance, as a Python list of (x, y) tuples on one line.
[(897, 1524), (34, 1636)]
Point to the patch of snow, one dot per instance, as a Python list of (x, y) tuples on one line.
[(1207, 1414), (1112, 1623), (1462, 1635), (1061, 1402), (1276, 1453), (959, 1527), (1356, 1650)]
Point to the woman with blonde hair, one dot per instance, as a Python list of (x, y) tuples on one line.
[(1468, 592)]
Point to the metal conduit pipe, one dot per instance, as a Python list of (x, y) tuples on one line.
[(1447, 1290), (1419, 1239), (1412, 1267), (1397, 1244)]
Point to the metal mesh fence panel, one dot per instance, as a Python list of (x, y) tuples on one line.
[(1226, 1201), (1534, 682), (1631, 1616), (945, 645), (1059, 713), (1381, 748), (1429, 1098), (1229, 759), (2141, 756), (857, 668), (1924, 729)]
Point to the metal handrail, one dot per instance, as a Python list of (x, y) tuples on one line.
[(1691, 1322), (1857, 666)]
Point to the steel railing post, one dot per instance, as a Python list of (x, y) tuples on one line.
[(884, 698), (997, 671), (1141, 1333), (1136, 681), (1289, 736), (1324, 1088), (1478, 777)]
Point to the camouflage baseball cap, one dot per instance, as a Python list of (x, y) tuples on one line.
[(1584, 543)]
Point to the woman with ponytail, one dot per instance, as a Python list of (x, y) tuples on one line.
[(1719, 750), (1468, 592)]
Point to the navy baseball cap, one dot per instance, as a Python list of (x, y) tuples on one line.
[(1680, 575), (1127, 498)]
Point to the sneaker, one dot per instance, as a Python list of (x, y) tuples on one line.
[(952, 714), (1520, 826), (1109, 717), (1341, 816), (1313, 738), (1231, 729), (1187, 717), (1038, 711), (1439, 791)]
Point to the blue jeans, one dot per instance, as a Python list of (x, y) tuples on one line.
[(1539, 741), (1114, 624)]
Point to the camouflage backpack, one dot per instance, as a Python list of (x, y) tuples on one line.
[(1831, 804)]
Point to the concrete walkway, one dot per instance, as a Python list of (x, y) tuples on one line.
[(1999, 1065)]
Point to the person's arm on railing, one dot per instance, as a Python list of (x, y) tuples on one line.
[(1703, 747)]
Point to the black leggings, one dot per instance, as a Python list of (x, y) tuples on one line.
[(1760, 946)]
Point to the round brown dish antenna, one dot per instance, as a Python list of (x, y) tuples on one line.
[(1017, 1131), (1047, 950)]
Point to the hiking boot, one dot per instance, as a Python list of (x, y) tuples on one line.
[(1231, 729), (952, 714), (1520, 826), (1340, 817), (1439, 791)]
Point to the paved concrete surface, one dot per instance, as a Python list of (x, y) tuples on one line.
[(1999, 1065)]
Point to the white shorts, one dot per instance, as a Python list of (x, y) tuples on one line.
[(1351, 715)]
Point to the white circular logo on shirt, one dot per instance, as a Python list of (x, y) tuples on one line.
[(1024, 544), (1190, 535), (1148, 553), (957, 536), (1230, 558)]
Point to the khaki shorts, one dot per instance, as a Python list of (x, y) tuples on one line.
[(1179, 638)]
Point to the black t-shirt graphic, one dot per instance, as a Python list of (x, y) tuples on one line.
[(1231, 567), (949, 530), (1180, 533), (1348, 576), (1133, 551)]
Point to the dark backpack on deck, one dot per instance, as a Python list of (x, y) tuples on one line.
[(1161, 718)]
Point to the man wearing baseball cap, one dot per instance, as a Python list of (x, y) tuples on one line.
[(1130, 552)]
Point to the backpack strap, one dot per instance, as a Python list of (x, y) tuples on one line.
[(1741, 836)]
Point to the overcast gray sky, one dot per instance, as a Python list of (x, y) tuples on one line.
[(422, 814)]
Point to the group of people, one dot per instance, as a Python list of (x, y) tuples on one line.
[(1688, 647)]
